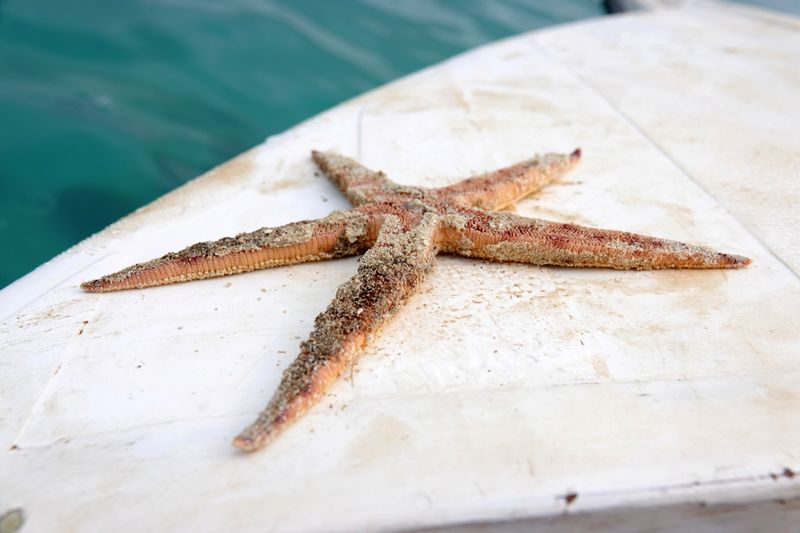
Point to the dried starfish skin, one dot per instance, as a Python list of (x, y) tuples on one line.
[(503, 187), (387, 275), (509, 237), (340, 234), (402, 229)]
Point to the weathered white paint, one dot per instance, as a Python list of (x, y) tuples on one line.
[(499, 389)]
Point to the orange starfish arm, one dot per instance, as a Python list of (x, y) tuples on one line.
[(356, 181), (387, 274), (509, 237), (340, 234), (500, 188)]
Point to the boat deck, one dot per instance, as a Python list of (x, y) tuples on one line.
[(502, 394)]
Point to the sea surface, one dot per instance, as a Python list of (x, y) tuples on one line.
[(107, 104)]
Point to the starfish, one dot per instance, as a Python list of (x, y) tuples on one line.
[(400, 229)]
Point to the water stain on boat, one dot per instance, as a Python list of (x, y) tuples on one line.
[(511, 101), (295, 176), (696, 280), (674, 282), (600, 367), (428, 95), (514, 55), (384, 436)]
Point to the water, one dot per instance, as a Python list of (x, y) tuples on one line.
[(106, 105)]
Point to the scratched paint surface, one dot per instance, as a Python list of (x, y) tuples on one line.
[(500, 391)]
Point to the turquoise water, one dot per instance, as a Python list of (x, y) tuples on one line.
[(108, 104)]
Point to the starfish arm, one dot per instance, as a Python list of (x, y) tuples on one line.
[(387, 274), (356, 181), (340, 234), (509, 237), (500, 188)]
